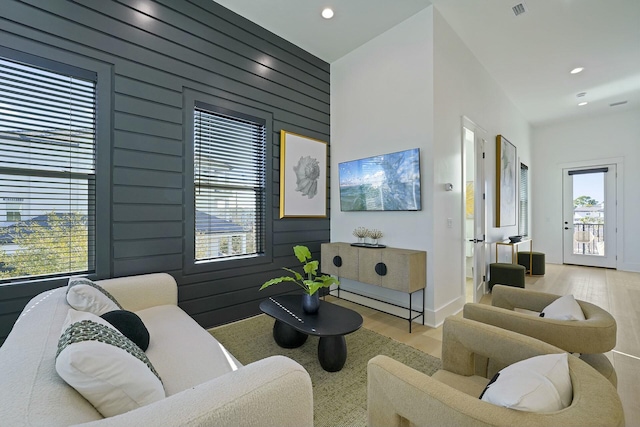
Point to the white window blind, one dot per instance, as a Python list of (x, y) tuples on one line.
[(229, 178), (523, 224), (47, 170)]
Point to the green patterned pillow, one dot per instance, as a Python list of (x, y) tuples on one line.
[(85, 295), (104, 366)]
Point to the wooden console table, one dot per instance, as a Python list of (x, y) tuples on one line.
[(403, 270)]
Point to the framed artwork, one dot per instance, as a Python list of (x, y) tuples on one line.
[(303, 176), (506, 182), (470, 199)]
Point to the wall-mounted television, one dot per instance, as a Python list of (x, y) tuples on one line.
[(388, 182)]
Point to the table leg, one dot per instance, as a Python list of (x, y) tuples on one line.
[(332, 353), (286, 336)]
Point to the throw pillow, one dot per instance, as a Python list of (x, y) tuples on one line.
[(104, 366), (85, 295), (537, 384), (130, 325), (564, 308)]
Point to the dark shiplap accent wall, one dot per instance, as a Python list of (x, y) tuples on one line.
[(157, 49)]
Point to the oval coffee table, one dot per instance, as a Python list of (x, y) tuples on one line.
[(331, 323)]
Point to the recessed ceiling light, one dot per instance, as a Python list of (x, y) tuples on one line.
[(577, 70), (582, 103), (327, 13)]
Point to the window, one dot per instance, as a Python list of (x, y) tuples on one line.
[(523, 225), (229, 178), (47, 170), (13, 208)]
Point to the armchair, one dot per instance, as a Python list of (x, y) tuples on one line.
[(590, 337), (471, 354)]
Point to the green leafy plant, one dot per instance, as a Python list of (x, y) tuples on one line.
[(312, 282)]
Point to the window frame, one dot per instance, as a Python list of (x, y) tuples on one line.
[(523, 213), (193, 98), (72, 64)]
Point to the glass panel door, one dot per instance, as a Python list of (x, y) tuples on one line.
[(589, 216)]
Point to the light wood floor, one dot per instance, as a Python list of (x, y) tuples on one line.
[(616, 291)]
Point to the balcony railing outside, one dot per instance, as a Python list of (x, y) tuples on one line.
[(588, 239)]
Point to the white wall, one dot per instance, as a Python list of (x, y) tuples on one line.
[(409, 88), (463, 87), (612, 136), (382, 102)]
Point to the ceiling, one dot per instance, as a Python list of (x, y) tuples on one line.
[(529, 55)]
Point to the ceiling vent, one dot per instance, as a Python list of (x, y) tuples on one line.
[(615, 104), (519, 9)]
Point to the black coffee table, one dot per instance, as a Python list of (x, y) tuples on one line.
[(331, 323)]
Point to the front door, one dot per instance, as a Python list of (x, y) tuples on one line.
[(589, 216)]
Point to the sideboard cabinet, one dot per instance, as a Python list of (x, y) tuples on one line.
[(403, 270)]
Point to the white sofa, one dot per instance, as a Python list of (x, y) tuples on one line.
[(204, 384)]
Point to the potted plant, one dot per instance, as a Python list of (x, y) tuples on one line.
[(310, 282)]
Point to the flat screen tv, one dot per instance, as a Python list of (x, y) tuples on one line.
[(388, 182)]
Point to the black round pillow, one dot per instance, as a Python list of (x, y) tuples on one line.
[(130, 325)]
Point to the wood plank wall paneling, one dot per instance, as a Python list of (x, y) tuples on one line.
[(157, 48)]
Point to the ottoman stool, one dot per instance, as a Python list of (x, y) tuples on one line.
[(537, 261), (502, 273)]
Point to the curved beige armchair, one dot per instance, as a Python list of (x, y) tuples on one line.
[(399, 395), (590, 337)]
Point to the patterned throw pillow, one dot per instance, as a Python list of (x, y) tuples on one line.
[(85, 295), (104, 366)]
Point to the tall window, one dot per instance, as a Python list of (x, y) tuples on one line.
[(47, 170), (229, 177), (523, 224)]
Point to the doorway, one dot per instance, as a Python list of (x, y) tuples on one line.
[(473, 210), (589, 216)]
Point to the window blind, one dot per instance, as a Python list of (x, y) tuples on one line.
[(47, 170), (523, 225), (229, 178)]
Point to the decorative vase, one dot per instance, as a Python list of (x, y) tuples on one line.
[(360, 240), (310, 303)]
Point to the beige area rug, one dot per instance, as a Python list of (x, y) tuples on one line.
[(340, 398)]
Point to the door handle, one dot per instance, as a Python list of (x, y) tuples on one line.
[(476, 240), (566, 228)]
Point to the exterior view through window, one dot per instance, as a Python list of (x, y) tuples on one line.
[(588, 214), (229, 178), (47, 171)]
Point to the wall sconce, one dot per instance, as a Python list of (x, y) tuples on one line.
[(448, 187)]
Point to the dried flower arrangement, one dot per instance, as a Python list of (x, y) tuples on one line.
[(361, 232), (375, 234)]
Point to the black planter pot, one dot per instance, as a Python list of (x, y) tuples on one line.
[(310, 303)]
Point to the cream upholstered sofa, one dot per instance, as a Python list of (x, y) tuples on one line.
[(472, 352), (205, 386), (590, 337)]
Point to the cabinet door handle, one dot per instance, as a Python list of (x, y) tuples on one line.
[(381, 269)]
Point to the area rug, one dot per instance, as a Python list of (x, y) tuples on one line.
[(340, 398)]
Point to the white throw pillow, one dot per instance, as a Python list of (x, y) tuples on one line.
[(564, 308), (85, 295), (104, 366), (537, 384)]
